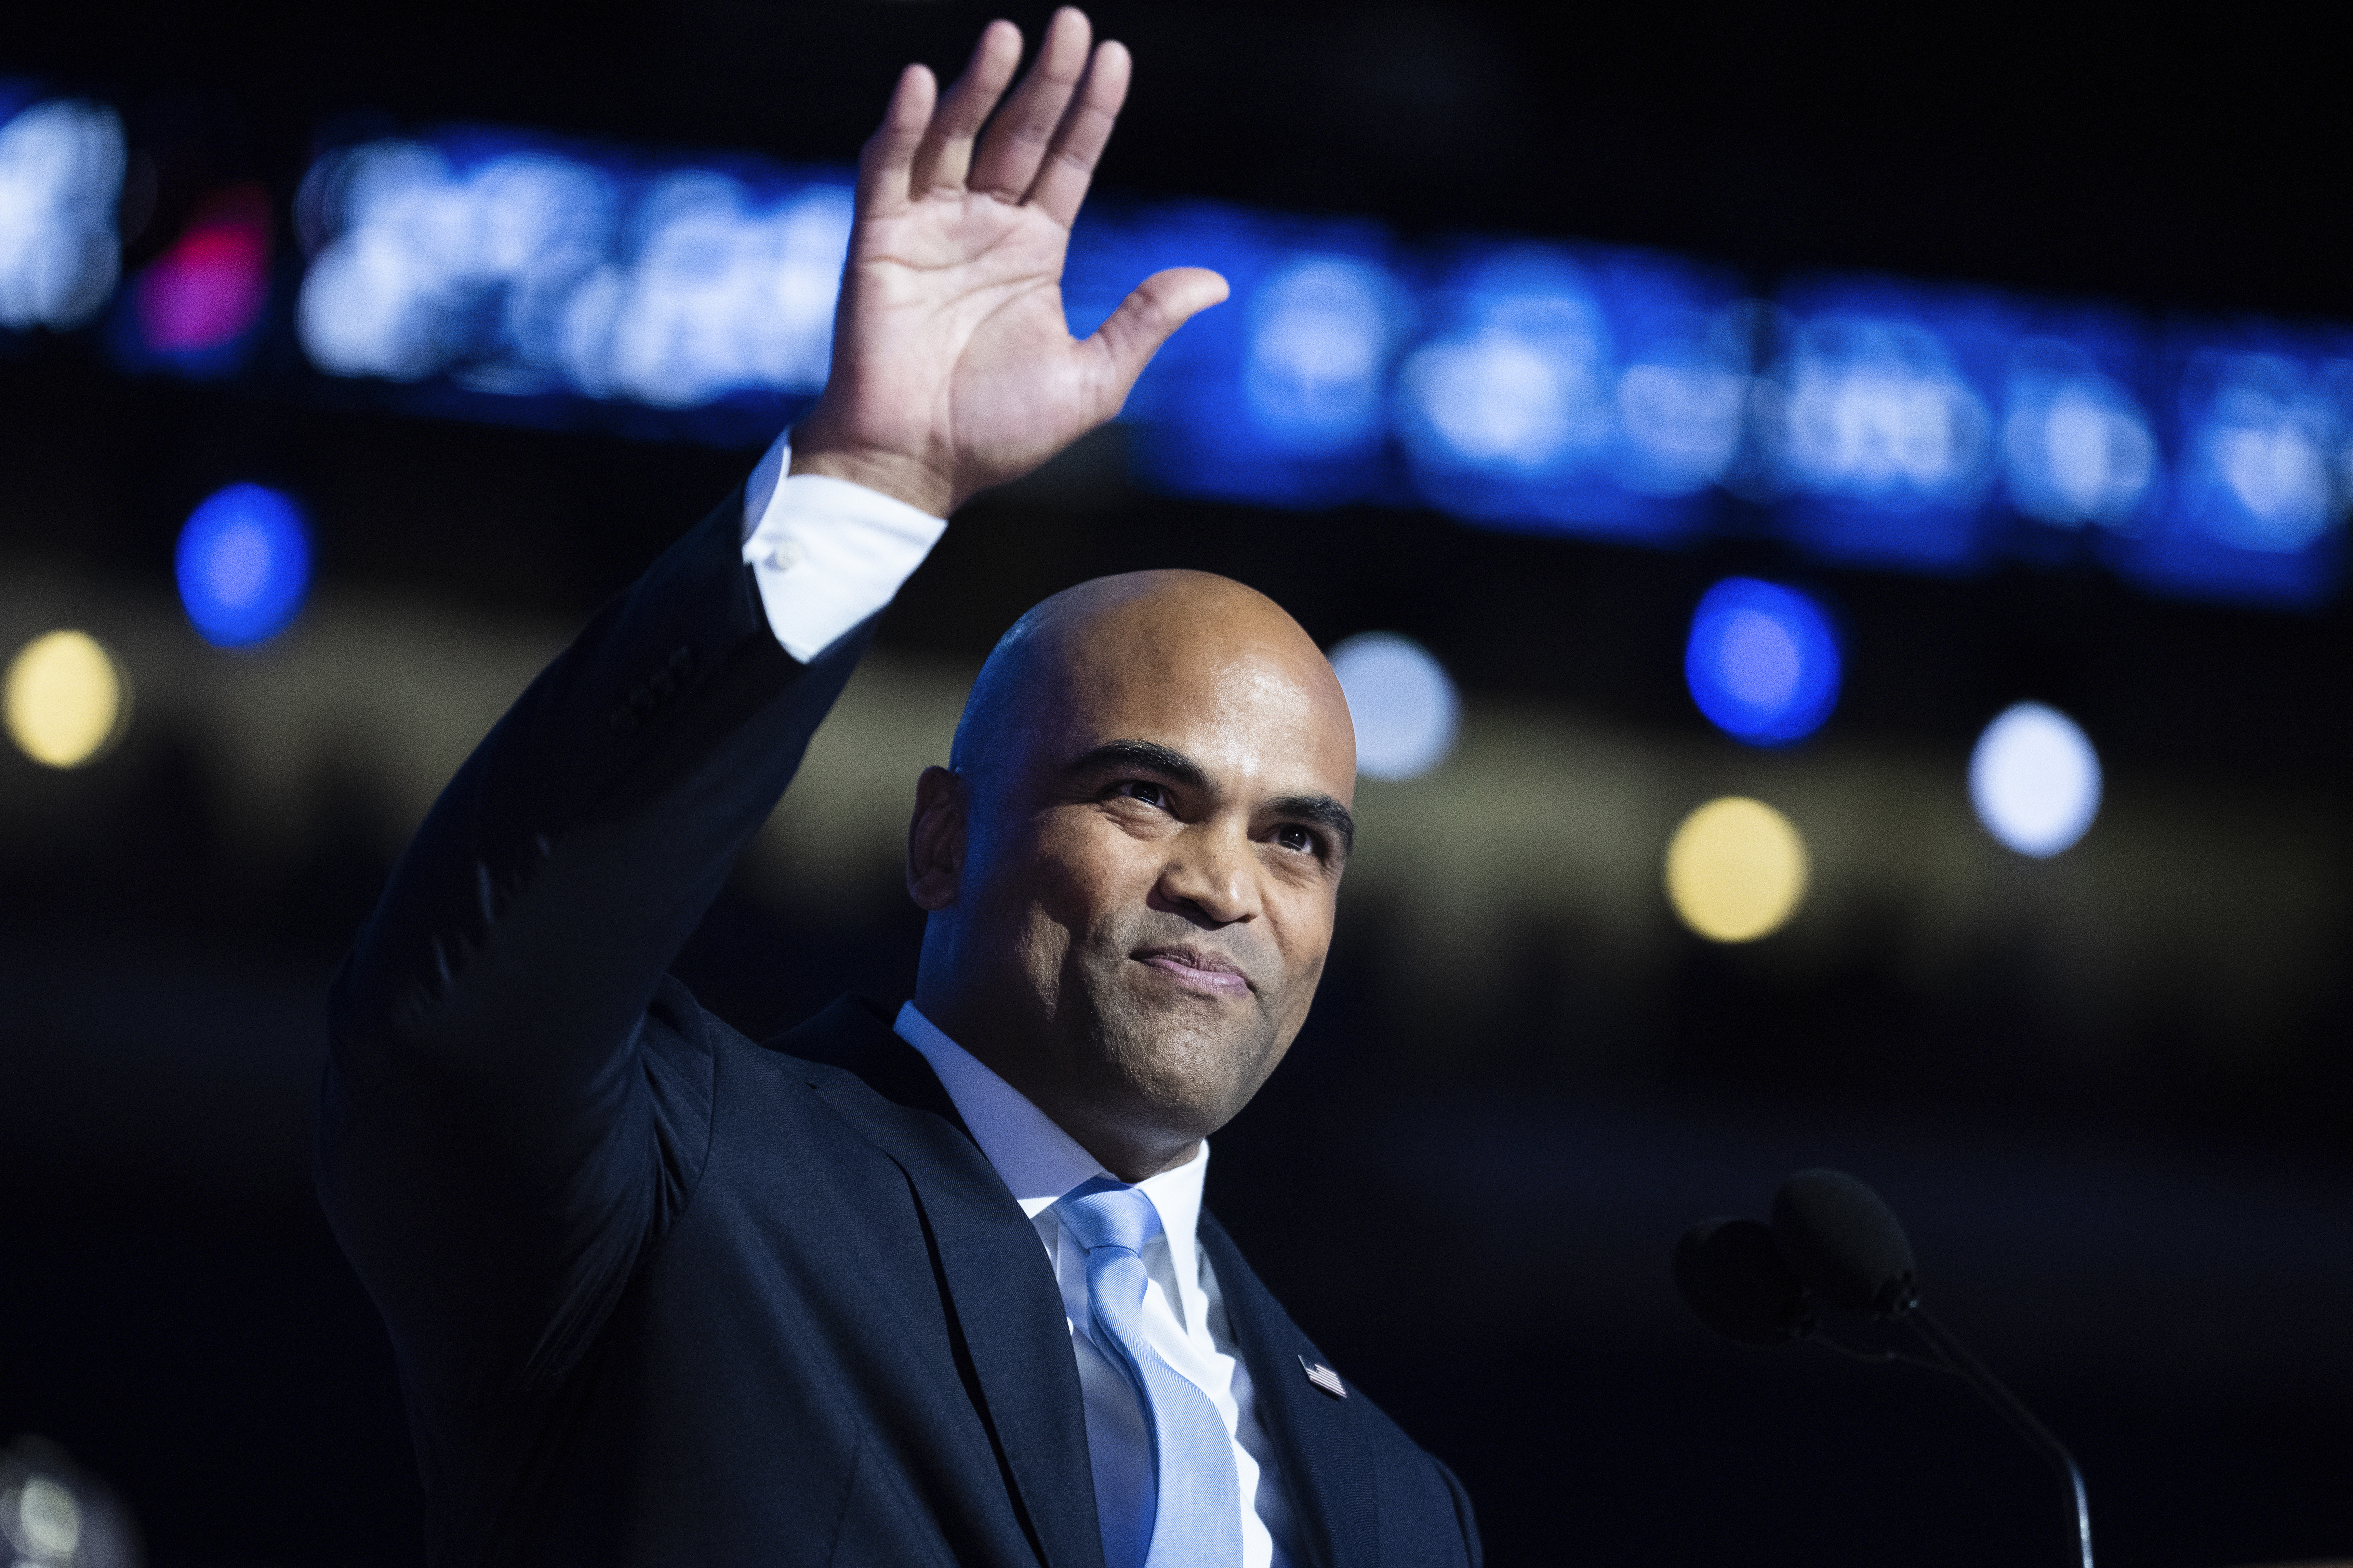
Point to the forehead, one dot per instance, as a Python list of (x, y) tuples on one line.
[(1257, 714)]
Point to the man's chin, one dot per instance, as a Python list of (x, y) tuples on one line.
[(1181, 1077)]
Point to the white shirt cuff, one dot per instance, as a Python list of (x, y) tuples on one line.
[(826, 552)]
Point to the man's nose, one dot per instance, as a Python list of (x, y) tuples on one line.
[(1214, 872)]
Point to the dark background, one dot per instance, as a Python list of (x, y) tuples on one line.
[(2143, 1222)]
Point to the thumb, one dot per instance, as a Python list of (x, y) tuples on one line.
[(1146, 318)]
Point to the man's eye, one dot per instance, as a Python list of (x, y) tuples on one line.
[(1297, 838), (1138, 789)]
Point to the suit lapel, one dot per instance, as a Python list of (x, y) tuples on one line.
[(1327, 1465), (1008, 1318)]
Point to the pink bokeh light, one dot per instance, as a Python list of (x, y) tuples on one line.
[(211, 285)]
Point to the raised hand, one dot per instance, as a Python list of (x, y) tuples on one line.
[(954, 367)]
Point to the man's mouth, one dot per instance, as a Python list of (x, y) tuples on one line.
[(1197, 969)]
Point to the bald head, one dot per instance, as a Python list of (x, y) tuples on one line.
[(1115, 637), (1132, 869)]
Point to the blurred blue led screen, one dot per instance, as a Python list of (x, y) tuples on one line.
[(1551, 387)]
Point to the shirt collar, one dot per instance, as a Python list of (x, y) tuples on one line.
[(1036, 1159)]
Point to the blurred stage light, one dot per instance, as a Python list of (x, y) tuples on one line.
[(2256, 512), (65, 699), (1761, 663), (1280, 396), (1523, 386), (1574, 389), (244, 565), (1737, 869), (1876, 429), (528, 271), (46, 1519), (208, 290), (1681, 405), (2258, 471), (2035, 779), (60, 175), (1402, 702), (1568, 387), (1875, 410), (2076, 449), (1319, 348), (54, 1515)]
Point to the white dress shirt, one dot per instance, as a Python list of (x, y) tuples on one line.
[(827, 555)]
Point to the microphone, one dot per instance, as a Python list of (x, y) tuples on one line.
[(1844, 1243), (1834, 1241)]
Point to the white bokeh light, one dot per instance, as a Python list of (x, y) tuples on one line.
[(60, 172), (2035, 779), (1403, 702)]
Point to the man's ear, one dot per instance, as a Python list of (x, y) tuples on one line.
[(935, 839)]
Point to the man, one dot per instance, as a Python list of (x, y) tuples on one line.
[(661, 1295)]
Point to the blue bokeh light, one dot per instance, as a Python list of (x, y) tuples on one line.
[(1762, 664), (244, 565)]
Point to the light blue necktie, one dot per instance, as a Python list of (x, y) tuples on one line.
[(1197, 1520)]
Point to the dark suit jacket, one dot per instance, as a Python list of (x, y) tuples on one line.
[(661, 1295)]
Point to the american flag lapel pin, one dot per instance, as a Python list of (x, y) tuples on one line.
[(1324, 1377)]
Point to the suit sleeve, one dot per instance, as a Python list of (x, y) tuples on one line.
[(1463, 1518), (516, 1100)]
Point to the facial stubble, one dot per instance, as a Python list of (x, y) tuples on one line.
[(1154, 1055)]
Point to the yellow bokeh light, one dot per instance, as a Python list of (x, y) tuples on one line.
[(65, 699), (1737, 869)]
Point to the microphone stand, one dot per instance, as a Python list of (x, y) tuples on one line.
[(1949, 1350)]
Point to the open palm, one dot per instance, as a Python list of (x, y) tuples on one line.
[(953, 368)]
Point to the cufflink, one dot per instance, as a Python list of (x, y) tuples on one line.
[(787, 555), (1324, 1377)]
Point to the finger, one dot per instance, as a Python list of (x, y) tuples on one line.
[(1015, 144), (946, 150), (1061, 185), (1145, 319), (884, 160)]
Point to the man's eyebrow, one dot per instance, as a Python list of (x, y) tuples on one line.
[(1170, 763), (1151, 756), (1324, 812)]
